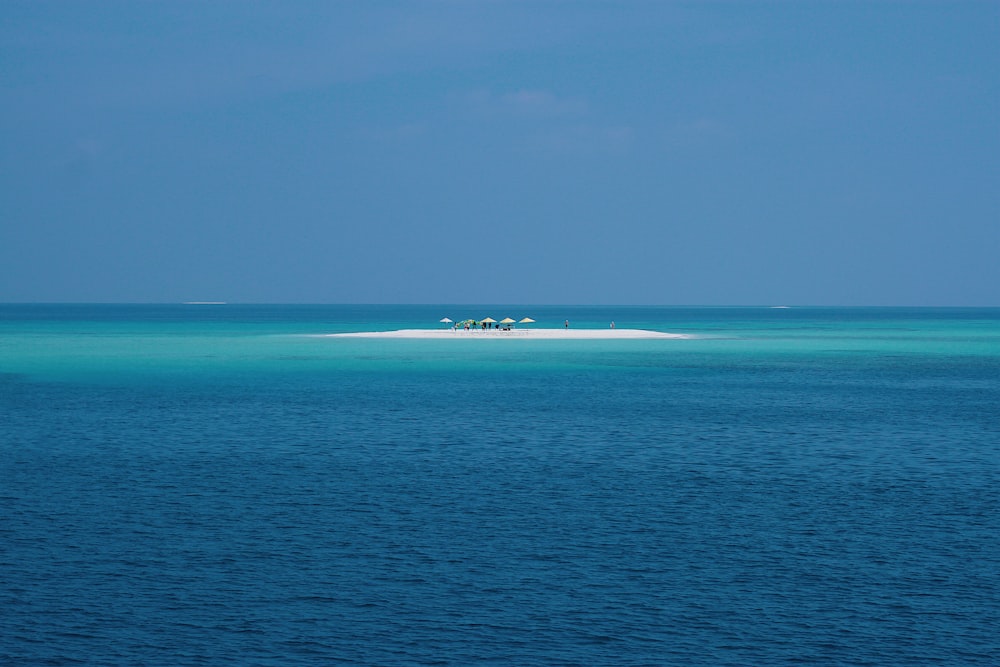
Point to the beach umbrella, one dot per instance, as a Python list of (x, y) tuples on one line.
[(526, 320), (446, 320), (506, 320), (488, 319)]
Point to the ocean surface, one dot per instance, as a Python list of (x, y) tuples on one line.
[(219, 485)]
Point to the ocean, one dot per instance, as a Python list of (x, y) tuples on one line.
[(222, 485)]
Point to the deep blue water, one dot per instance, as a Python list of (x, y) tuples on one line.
[(205, 485)]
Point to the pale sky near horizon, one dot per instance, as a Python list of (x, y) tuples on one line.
[(714, 153)]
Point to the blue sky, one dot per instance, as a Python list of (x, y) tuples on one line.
[(827, 153)]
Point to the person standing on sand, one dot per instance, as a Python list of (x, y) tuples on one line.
[(567, 324), (612, 324)]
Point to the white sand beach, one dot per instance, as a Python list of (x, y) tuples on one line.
[(534, 334)]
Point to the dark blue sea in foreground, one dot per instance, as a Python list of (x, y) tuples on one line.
[(213, 485)]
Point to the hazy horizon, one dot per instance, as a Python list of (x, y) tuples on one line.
[(525, 304)]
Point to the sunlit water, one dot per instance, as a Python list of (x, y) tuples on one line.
[(218, 485)]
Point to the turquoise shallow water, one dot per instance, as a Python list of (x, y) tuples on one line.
[(219, 485)]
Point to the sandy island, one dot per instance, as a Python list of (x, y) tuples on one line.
[(535, 334)]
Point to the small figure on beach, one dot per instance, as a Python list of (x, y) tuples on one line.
[(612, 324), (567, 324)]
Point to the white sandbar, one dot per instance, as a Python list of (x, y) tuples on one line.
[(536, 334)]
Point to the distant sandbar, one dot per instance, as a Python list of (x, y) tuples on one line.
[(562, 334)]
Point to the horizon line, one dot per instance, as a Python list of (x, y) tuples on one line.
[(776, 306)]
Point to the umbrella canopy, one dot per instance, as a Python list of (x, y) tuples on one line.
[(526, 320), (488, 319), (506, 320), (446, 320)]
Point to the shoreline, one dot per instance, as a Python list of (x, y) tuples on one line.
[(536, 334)]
